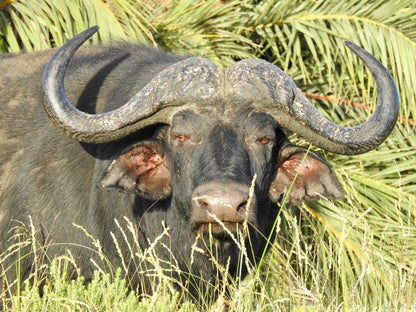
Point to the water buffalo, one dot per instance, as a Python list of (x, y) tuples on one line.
[(174, 144)]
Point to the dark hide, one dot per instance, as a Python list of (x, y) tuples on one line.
[(149, 177)]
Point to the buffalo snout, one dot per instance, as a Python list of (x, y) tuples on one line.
[(217, 206)]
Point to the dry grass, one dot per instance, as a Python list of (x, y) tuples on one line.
[(314, 265)]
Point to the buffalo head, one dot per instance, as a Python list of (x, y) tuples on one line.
[(219, 156)]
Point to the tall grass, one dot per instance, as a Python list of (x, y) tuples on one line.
[(312, 266)]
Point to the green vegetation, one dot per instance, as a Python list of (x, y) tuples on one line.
[(358, 254)]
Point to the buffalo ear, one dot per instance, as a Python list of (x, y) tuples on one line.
[(140, 169), (314, 177)]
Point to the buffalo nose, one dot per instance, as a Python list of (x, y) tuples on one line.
[(228, 202)]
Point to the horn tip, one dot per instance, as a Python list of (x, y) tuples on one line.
[(92, 30), (350, 45), (358, 50)]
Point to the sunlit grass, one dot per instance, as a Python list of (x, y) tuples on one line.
[(325, 258)]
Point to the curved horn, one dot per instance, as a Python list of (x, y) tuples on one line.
[(272, 90), (187, 81)]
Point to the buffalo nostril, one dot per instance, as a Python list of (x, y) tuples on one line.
[(242, 206), (203, 204)]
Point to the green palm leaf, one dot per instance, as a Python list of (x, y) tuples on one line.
[(40, 24)]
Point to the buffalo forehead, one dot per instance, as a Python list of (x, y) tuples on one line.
[(209, 116)]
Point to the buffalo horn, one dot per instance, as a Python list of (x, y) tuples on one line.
[(187, 81), (269, 89)]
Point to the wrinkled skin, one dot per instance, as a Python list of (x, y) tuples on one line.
[(152, 177)]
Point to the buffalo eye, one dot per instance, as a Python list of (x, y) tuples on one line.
[(180, 139), (265, 140)]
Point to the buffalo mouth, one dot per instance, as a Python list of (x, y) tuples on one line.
[(225, 228)]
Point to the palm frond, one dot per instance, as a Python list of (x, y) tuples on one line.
[(200, 28), (306, 39)]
